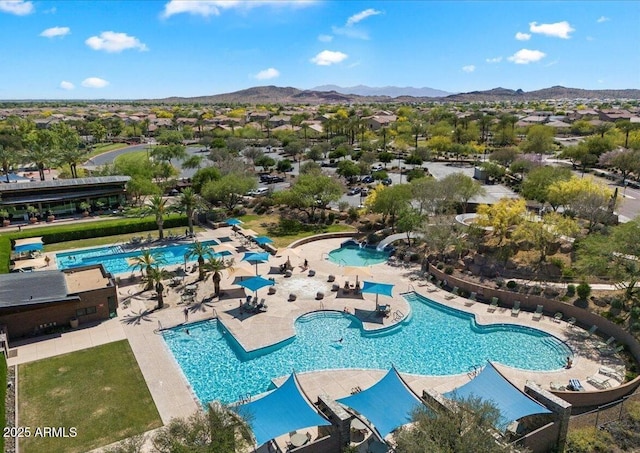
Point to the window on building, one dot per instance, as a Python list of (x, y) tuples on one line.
[(85, 311)]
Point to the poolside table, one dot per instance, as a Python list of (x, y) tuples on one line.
[(299, 439), (357, 425)]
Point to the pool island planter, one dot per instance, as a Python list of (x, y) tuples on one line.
[(584, 317)]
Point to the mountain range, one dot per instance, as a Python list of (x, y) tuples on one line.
[(391, 91), (289, 95)]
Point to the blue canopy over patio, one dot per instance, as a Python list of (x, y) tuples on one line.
[(28, 245), (388, 403), (262, 240), (234, 222), (491, 386), (255, 283), (377, 288), (255, 258), (284, 410)]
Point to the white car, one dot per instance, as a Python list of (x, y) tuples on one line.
[(258, 192)]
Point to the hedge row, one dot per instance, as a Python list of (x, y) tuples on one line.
[(88, 230)]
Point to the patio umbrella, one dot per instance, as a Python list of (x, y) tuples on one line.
[(377, 288), (256, 257), (234, 222), (263, 240), (242, 270), (357, 271), (255, 283)]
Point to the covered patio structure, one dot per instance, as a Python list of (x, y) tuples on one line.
[(284, 410)]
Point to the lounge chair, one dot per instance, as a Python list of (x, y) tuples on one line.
[(609, 344), (571, 322), (599, 382), (575, 385), (515, 311), (537, 315), (493, 305), (557, 386), (612, 351), (455, 291), (615, 373), (590, 332), (558, 316), (471, 300)]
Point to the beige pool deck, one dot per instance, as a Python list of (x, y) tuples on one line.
[(140, 323)]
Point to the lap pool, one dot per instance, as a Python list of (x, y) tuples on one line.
[(116, 260), (437, 340)]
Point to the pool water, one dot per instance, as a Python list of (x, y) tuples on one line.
[(116, 260), (354, 255), (437, 340)]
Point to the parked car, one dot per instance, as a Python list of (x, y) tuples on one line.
[(367, 179), (364, 192), (274, 179), (354, 191), (386, 181), (377, 167), (258, 192)]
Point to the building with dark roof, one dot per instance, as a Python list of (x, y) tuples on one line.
[(34, 303), (63, 196)]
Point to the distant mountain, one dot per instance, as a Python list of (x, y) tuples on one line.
[(289, 95), (391, 91), (555, 92)]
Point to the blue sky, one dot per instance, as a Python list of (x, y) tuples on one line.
[(154, 49)]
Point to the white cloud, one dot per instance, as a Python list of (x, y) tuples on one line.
[(55, 31), (469, 68), (94, 82), (523, 36), (325, 38), (603, 19), (113, 42), (494, 60), (526, 56), (67, 85), (265, 74), (557, 30), (208, 8), (362, 15), (350, 32), (17, 7), (328, 57)]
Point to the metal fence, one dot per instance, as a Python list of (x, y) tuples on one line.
[(603, 415)]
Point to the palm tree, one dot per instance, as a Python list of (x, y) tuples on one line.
[(201, 252), (188, 203), (153, 279), (217, 265), (8, 157), (158, 208), (144, 263), (40, 144), (626, 126)]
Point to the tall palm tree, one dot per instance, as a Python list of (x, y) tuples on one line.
[(188, 203), (201, 252), (40, 145), (157, 207), (153, 279), (217, 265)]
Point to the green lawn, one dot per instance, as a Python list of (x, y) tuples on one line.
[(254, 222), (99, 391), (104, 147), (133, 157)]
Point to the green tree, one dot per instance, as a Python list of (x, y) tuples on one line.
[(229, 189), (348, 169), (188, 202), (539, 140), (409, 220), (201, 252), (215, 266), (390, 201), (157, 207), (203, 176), (309, 193), (625, 160), (153, 278), (145, 263), (466, 429), (460, 188), (67, 143), (544, 233), (40, 149), (284, 165), (266, 162), (535, 186), (219, 430)]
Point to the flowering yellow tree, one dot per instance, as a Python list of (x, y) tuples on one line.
[(502, 216)]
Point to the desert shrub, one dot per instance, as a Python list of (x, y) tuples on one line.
[(353, 213), (331, 217), (557, 262), (571, 290), (440, 266), (583, 290), (343, 206), (448, 270), (588, 440), (512, 284)]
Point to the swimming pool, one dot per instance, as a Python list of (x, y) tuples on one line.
[(115, 258), (350, 254), (437, 340)]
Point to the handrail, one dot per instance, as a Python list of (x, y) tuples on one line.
[(397, 315), (324, 256)]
